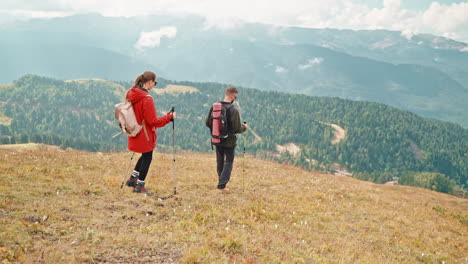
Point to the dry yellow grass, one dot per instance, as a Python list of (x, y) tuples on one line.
[(176, 89), (5, 85), (119, 89), (5, 120), (67, 207)]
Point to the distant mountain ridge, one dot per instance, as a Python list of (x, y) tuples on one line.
[(420, 73)]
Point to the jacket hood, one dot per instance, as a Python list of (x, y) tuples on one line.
[(135, 95)]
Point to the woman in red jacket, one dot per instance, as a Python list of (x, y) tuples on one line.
[(145, 141)]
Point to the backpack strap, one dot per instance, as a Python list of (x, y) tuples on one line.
[(144, 130), (144, 126), (228, 118), (229, 107)]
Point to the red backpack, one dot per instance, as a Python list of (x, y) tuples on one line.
[(220, 123)]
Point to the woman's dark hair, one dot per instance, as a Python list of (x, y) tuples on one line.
[(145, 77)]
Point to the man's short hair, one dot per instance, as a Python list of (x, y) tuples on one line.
[(231, 90)]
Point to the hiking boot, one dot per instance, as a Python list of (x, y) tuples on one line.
[(131, 182), (140, 188)]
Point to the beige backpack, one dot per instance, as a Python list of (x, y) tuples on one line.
[(128, 123)]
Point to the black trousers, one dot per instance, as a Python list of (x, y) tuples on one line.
[(225, 162), (143, 164)]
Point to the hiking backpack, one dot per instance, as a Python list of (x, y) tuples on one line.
[(128, 123), (220, 123)]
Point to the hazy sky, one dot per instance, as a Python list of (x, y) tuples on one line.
[(447, 18)]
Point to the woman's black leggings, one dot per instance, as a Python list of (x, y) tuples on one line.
[(143, 164)]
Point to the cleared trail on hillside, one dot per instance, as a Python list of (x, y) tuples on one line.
[(338, 134)]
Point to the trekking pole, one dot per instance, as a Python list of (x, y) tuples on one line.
[(243, 163), (173, 154), (126, 171)]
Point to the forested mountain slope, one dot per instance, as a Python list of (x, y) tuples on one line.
[(381, 142)]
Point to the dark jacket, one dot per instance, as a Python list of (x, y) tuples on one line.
[(234, 126)]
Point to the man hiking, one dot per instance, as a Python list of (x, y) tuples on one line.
[(225, 139)]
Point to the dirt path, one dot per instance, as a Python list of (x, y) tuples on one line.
[(339, 133), (289, 147)]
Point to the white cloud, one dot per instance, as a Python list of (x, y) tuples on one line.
[(450, 20), (280, 69), (153, 39), (222, 23), (443, 20), (27, 14), (310, 63), (408, 34), (392, 4)]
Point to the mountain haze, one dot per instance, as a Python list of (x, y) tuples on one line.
[(421, 73), (72, 61)]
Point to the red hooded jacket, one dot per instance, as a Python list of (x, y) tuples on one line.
[(144, 108)]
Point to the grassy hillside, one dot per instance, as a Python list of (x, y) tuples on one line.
[(61, 206)]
